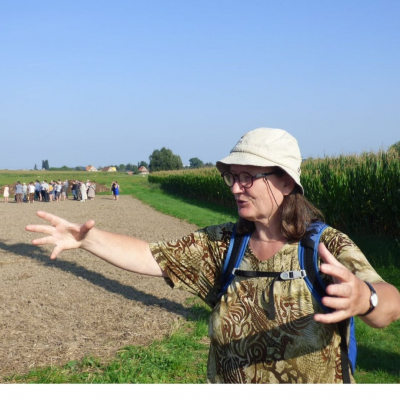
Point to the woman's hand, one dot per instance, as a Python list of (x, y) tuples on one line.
[(63, 234), (122, 251), (348, 295)]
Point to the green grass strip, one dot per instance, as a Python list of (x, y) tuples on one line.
[(179, 358)]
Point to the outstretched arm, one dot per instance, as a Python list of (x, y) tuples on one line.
[(349, 295), (122, 251)]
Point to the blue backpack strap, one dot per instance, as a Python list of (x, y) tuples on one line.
[(236, 250), (308, 259)]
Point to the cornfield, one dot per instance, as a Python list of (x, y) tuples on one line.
[(359, 193)]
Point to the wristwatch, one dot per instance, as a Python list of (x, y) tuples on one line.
[(373, 300)]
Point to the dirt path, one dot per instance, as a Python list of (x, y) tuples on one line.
[(55, 311)]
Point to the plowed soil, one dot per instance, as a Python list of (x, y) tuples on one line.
[(54, 311)]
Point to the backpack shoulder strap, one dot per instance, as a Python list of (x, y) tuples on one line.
[(236, 250), (308, 259)]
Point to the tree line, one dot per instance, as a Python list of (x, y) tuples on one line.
[(160, 160)]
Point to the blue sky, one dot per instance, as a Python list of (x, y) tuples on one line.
[(107, 82)]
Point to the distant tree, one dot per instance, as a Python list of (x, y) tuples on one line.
[(209, 164), (121, 167), (143, 164), (395, 148), (131, 167), (196, 163), (63, 168), (45, 164), (164, 160), (80, 168), (35, 168)]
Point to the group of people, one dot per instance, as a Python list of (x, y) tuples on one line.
[(51, 191), (266, 325), (22, 192), (82, 191)]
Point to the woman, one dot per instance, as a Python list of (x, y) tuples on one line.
[(113, 190), (301, 344), (6, 193), (57, 190), (91, 190), (31, 190), (51, 191), (83, 191), (63, 191), (116, 191)]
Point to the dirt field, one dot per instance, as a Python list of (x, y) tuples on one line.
[(55, 311)]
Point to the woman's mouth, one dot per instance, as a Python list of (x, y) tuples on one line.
[(240, 202)]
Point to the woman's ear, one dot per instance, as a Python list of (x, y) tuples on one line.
[(288, 184)]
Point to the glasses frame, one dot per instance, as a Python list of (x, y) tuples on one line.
[(253, 177)]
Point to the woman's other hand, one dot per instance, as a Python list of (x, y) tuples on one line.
[(350, 296)]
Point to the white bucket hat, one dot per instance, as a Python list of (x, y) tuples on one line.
[(266, 147)]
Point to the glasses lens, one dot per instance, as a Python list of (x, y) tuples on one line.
[(245, 179), (228, 178)]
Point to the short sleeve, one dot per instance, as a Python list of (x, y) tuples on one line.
[(347, 253), (194, 262)]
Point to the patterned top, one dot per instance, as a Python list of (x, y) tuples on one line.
[(246, 346)]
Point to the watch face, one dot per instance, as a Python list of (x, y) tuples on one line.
[(374, 299)]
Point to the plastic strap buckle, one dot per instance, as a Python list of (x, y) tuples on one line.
[(287, 275)]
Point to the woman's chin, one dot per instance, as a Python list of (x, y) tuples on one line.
[(246, 215)]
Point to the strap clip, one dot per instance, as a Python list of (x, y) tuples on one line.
[(288, 275)]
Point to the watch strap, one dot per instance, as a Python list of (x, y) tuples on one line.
[(371, 306)]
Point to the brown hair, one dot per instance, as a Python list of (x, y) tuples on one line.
[(296, 214)]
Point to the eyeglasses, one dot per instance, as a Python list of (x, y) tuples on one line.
[(245, 179)]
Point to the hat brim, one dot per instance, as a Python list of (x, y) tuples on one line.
[(239, 158)]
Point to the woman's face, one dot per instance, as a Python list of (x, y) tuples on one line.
[(262, 200)]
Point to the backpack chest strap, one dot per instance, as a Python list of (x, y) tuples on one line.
[(278, 276)]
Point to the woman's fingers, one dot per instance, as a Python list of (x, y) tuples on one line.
[(337, 303), (46, 229), (327, 256), (87, 226), (331, 318), (53, 219), (43, 240), (56, 251)]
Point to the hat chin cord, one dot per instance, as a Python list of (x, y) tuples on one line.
[(269, 187)]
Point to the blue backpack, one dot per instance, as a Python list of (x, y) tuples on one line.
[(309, 271)]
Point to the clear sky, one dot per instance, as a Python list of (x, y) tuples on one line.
[(107, 82)]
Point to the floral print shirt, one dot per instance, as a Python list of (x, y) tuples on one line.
[(246, 346)]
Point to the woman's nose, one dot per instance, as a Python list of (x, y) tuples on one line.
[(237, 187)]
